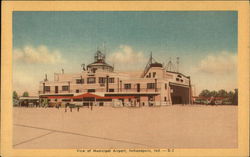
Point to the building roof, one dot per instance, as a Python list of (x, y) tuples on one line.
[(59, 97), (177, 73), (87, 95), (203, 97), (151, 63), (28, 98), (99, 64)]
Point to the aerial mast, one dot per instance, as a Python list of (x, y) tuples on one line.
[(177, 63), (170, 66), (151, 58)]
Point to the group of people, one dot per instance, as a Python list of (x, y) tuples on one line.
[(71, 106)]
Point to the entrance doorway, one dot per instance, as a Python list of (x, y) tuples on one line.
[(138, 87), (56, 89), (180, 95)]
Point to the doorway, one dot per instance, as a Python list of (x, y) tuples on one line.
[(138, 87), (56, 89)]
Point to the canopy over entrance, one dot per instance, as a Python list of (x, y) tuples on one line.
[(91, 97), (87, 95), (59, 97)]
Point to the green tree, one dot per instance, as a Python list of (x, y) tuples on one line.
[(222, 93), (15, 95), (230, 96), (25, 94), (235, 97), (213, 93), (205, 93)]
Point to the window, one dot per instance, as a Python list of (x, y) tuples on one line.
[(111, 80), (79, 81), (127, 86), (150, 85), (77, 99), (177, 79), (166, 85), (111, 90), (181, 80), (165, 98), (77, 91), (91, 90), (65, 88), (94, 70), (91, 80), (102, 79), (47, 88), (66, 100), (154, 73), (179, 76), (149, 75)]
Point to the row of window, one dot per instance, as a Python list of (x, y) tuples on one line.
[(93, 90), (178, 79), (149, 75), (64, 88), (149, 86), (92, 80), (126, 86)]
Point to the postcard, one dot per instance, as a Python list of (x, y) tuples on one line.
[(125, 78)]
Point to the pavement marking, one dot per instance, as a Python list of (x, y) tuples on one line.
[(78, 134), (34, 138)]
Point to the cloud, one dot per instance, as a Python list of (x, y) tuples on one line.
[(39, 55), (23, 81), (221, 63), (127, 58)]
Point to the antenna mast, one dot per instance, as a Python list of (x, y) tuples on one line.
[(151, 57), (170, 66), (177, 63)]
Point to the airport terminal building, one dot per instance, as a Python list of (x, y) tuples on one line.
[(98, 82)]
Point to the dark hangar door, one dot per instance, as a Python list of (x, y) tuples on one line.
[(180, 94)]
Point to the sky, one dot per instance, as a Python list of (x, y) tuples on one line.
[(205, 41)]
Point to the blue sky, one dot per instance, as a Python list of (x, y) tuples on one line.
[(197, 37)]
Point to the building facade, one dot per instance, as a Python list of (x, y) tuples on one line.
[(153, 86)]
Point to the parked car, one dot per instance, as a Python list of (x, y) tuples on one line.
[(197, 101), (54, 104), (15, 102), (77, 103), (227, 103), (218, 102)]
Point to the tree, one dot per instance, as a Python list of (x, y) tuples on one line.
[(222, 93), (205, 93), (15, 96), (25, 94), (230, 96), (235, 97), (213, 93)]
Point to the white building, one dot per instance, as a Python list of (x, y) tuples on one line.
[(154, 86)]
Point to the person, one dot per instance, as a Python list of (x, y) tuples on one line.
[(78, 108), (91, 105), (66, 105), (70, 108)]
